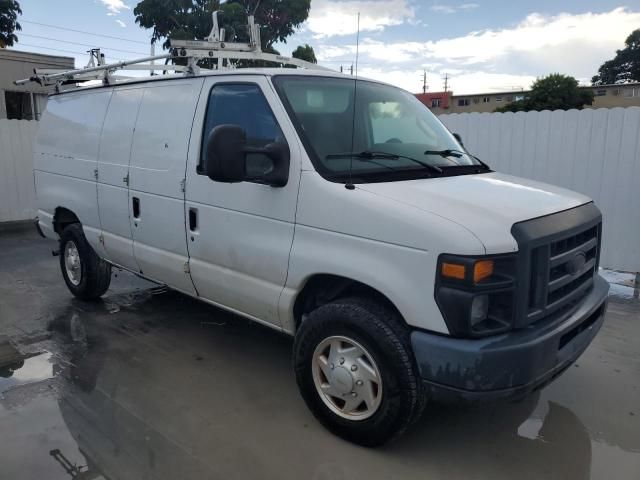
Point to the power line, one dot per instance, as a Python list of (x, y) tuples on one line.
[(82, 31), (81, 44), (58, 49)]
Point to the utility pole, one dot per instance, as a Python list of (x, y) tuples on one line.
[(446, 82), (424, 81), (351, 69)]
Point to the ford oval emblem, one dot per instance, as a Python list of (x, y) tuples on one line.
[(576, 264)]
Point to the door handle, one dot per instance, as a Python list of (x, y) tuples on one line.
[(193, 219), (136, 207)]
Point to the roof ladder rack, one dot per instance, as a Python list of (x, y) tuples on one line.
[(213, 47)]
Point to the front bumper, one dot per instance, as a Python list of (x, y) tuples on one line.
[(512, 364)]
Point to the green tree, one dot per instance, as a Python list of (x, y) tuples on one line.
[(624, 67), (553, 92), (191, 19), (305, 52), (9, 11)]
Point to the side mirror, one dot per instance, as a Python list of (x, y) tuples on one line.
[(458, 138), (226, 157)]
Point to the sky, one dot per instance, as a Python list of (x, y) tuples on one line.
[(480, 45)]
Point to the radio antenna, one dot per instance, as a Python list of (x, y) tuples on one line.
[(349, 185)]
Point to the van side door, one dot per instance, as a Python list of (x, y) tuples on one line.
[(113, 175), (240, 234), (156, 180)]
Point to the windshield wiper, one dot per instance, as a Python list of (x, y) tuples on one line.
[(445, 153), (369, 155), (449, 152)]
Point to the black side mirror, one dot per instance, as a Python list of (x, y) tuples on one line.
[(458, 138), (226, 157)]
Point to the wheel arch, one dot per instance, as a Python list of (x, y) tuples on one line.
[(322, 288), (63, 217)]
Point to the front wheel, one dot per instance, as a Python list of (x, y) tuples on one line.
[(87, 276), (355, 371)]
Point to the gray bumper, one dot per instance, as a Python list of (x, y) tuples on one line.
[(512, 364)]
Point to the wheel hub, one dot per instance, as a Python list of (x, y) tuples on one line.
[(347, 378), (342, 380), (72, 263)]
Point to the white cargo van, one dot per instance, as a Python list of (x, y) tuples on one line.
[(339, 211)]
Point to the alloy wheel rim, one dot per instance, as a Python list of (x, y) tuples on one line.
[(347, 378), (72, 263)]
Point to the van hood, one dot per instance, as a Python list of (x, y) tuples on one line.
[(486, 204)]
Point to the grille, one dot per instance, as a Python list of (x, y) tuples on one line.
[(566, 274), (562, 272), (557, 262)]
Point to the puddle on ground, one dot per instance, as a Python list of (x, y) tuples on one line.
[(29, 370)]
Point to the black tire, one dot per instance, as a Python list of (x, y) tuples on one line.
[(384, 335), (95, 273)]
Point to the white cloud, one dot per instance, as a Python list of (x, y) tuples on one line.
[(537, 32), (448, 9), (329, 18), (121, 23), (115, 6), (504, 59)]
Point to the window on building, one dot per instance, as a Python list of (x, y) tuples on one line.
[(517, 98), (498, 99), (631, 92), (435, 102), (601, 92), (463, 102), (486, 99), (19, 105)]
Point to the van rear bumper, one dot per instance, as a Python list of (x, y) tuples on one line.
[(513, 364)]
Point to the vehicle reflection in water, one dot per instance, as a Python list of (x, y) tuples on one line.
[(140, 403)]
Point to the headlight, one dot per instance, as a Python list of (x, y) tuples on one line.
[(476, 294)]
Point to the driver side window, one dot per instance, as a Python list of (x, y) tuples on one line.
[(243, 104)]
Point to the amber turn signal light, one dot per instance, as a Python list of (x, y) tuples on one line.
[(482, 269), (453, 270)]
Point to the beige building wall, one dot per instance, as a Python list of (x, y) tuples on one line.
[(15, 65), (606, 96)]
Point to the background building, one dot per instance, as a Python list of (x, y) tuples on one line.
[(25, 102), (605, 96)]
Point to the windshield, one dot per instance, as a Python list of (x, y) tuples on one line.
[(388, 134)]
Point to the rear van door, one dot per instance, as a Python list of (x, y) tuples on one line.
[(156, 180), (113, 175)]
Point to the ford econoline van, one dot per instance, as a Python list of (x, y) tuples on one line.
[(338, 211)]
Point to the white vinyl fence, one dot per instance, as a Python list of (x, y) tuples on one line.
[(595, 152), (17, 195)]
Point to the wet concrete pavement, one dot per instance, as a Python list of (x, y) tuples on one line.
[(153, 384)]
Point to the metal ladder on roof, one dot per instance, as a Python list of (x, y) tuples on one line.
[(212, 47)]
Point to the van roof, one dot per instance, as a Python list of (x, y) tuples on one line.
[(223, 72)]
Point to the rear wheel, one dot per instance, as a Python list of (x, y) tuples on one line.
[(355, 371), (87, 276)]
